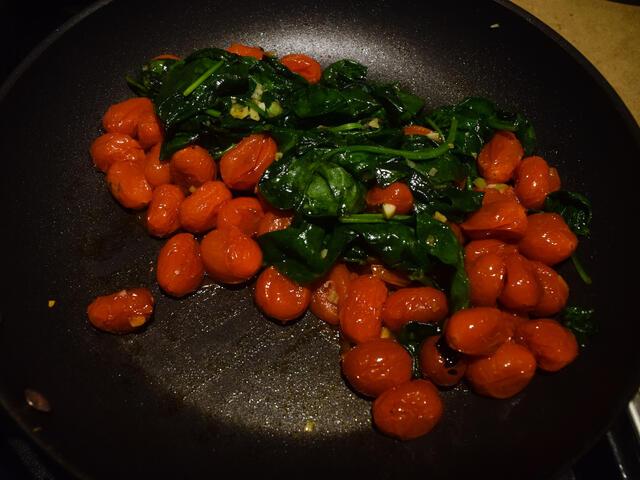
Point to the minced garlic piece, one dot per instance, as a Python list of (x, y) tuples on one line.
[(440, 217)]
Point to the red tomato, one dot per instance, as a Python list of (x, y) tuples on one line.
[(548, 239), (521, 291), (434, 366), (242, 166), (245, 51), (111, 148), (304, 66), (327, 296), (121, 312), (279, 297), (272, 222), (555, 291), (505, 220), (156, 172), (125, 117), (163, 213), (553, 345), (377, 365), (199, 211), (416, 130), (397, 194), (534, 181), (421, 304), (361, 309), (128, 185), (477, 331), (503, 374), (192, 166), (409, 410), (242, 212), (397, 279), (477, 248), (180, 270), (486, 279), (499, 158), (230, 256)]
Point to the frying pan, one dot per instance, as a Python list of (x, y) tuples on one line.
[(211, 386)]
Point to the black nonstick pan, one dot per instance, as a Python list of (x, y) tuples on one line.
[(211, 386)]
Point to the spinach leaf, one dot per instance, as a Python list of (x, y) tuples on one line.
[(332, 105), (574, 207), (580, 321), (343, 73), (411, 337), (447, 199), (401, 106), (152, 75)]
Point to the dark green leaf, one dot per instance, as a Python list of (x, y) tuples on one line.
[(343, 73), (411, 337), (574, 207), (581, 322)]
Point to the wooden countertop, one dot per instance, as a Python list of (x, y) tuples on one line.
[(606, 32)]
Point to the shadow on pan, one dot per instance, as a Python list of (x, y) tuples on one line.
[(211, 386)]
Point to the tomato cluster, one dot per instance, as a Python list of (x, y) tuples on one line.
[(211, 213)]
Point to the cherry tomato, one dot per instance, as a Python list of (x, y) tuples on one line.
[(128, 185), (477, 331), (166, 56), (180, 269), (457, 232), (245, 51), (533, 182), (230, 256), (125, 117), (304, 66), (486, 279), (199, 211), (279, 297), (421, 304), (477, 248), (554, 180), (499, 158), (242, 166), (555, 291), (272, 222), (553, 345), (327, 296), (499, 194), (163, 213), (121, 312), (433, 364), (242, 212), (361, 309), (548, 239), (397, 194), (416, 130), (397, 279), (377, 365), (408, 410), (156, 172), (192, 166), (149, 131), (503, 374), (504, 220), (521, 291), (514, 319), (110, 148)]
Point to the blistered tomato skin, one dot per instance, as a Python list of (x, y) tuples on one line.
[(327, 295), (279, 297), (242, 212), (486, 279), (534, 181), (548, 239), (477, 248), (242, 166), (360, 312), (156, 172), (121, 312), (396, 194), (246, 51), (272, 222), (128, 185), (375, 366), (477, 331), (503, 220), (125, 117), (521, 291), (199, 211), (421, 304), (409, 410), (180, 269), (434, 366), (230, 256), (500, 157), (555, 291), (305, 66), (111, 148), (504, 373), (163, 212), (192, 166), (553, 345)]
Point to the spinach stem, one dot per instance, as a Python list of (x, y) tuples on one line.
[(372, 218), (580, 269), (210, 71), (344, 127), (213, 113), (453, 129), (131, 81), (424, 154)]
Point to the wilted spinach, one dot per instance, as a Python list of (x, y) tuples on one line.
[(574, 207), (580, 321)]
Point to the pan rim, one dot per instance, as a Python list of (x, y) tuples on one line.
[(614, 98)]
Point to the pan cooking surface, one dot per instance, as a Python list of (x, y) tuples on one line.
[(211, 384)]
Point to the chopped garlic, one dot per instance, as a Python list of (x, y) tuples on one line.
[(501, 187), (279, 155), (192, 189), (239, 111), (388, 210), (435, 136), (257, 93), (432, 172), (374, 123), (254, 115), (480, 183), (324, 252), (274, 109), (137, 321), (385, 333), (431, 240), (440, 217), (309, 426), (51, 303)]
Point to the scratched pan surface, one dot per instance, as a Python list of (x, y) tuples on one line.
[(210, 384)]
